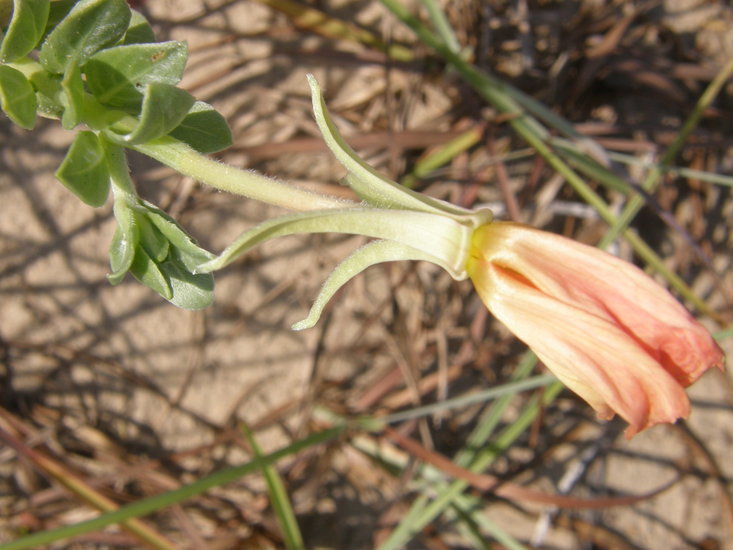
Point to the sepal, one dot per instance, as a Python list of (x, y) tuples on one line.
[(442, 238), (367, 183), (375, 252)]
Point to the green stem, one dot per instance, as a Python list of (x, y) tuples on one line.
[(253, 185), (510, 389), (189, 162), (84, 492), (119, 172), (441, 24)]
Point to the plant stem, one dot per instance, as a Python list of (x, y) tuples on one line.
[(248, 183)]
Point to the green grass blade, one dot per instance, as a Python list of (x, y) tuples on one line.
[(476, 523), (485, 429), (423, 510), (687, 173), (507, 390), (322, 23), (416, 520), (441, 24), (442, 155), (278, 498)]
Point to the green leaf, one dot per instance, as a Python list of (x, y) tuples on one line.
[(149, 273), (279, 499), (17, 97), (151, 239), (164, 108), (204, 129), (174, 257), (49, 93), (189, 253), (124, 241), (25, 30), (189, 291), (72, 97), (89, 26), (84, 170), (194, 257), (121, 253), (139, 31), (117, 76), (159, 265)]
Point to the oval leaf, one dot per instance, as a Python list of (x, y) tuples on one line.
[(84, 170), (164, 108), (49, 93), (204, 129), (59, 10), (152, 240), (148, 273), (189, 291), (89, 26), (25, 30), (189, 253), (117, 76), (17, 97)]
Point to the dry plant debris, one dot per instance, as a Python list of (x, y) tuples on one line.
[(132, 397)]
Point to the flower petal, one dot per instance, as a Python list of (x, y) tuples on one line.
[(610, 288), (601, 325), (590, 355)]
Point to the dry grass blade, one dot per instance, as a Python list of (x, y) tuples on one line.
[(75, 484)]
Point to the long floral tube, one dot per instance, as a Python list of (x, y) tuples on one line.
[(607, 330)]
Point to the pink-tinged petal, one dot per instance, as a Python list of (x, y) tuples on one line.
[(605, 328), (588, 354)]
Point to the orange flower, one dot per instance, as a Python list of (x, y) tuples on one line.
[(601, 325)]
